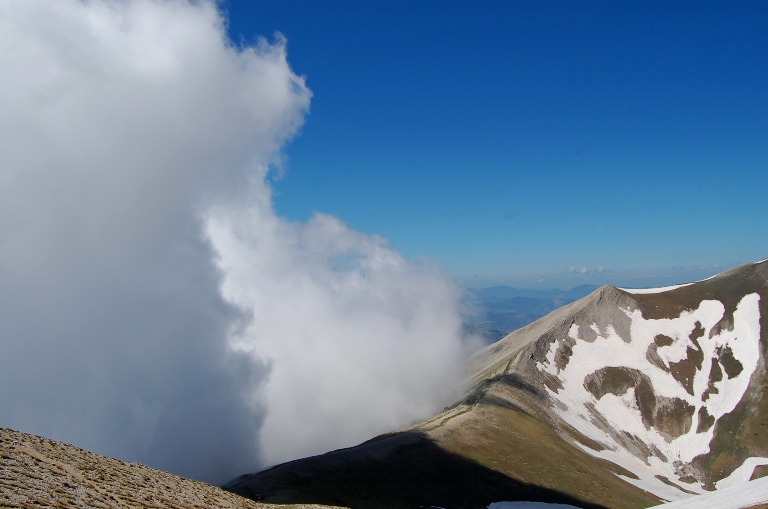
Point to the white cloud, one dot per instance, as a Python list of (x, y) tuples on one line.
[(359, 340), (129, 129)]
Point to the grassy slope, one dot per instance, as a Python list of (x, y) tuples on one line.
[(496, 449), (404, 470), (504, 432)]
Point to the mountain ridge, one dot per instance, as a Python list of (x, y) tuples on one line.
[(624, 425), (545, 363)]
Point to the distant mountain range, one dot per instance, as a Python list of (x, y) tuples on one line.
[(622, 399), (500, 293), (498, 310)]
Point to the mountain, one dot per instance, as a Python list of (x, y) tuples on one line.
[(622, 399), (37, 472), (501, 309)]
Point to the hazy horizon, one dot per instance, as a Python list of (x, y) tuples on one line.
[(574, 277)]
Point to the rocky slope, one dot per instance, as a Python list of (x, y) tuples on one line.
[(36, 472), (623, 399)]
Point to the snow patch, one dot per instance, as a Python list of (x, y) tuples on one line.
[(741, 474), (616, 422), (740, 496)]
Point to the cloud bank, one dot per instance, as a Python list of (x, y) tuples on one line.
[(153, 306), (359, 340)]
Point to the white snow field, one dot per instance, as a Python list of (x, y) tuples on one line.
[(734, 497), (603, 420), (741, 474)]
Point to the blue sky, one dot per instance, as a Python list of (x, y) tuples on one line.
[(526, 143)]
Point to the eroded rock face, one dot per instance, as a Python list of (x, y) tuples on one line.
[(671, 416)]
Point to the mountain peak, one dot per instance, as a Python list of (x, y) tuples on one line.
[(654, 377)]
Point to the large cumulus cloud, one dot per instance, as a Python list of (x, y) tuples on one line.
[(152, 305)]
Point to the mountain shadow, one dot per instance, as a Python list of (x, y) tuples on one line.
[(404, 470)]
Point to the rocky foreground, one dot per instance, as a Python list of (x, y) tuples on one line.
[(37, 472)]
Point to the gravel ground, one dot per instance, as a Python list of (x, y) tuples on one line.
[(36, 472)]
